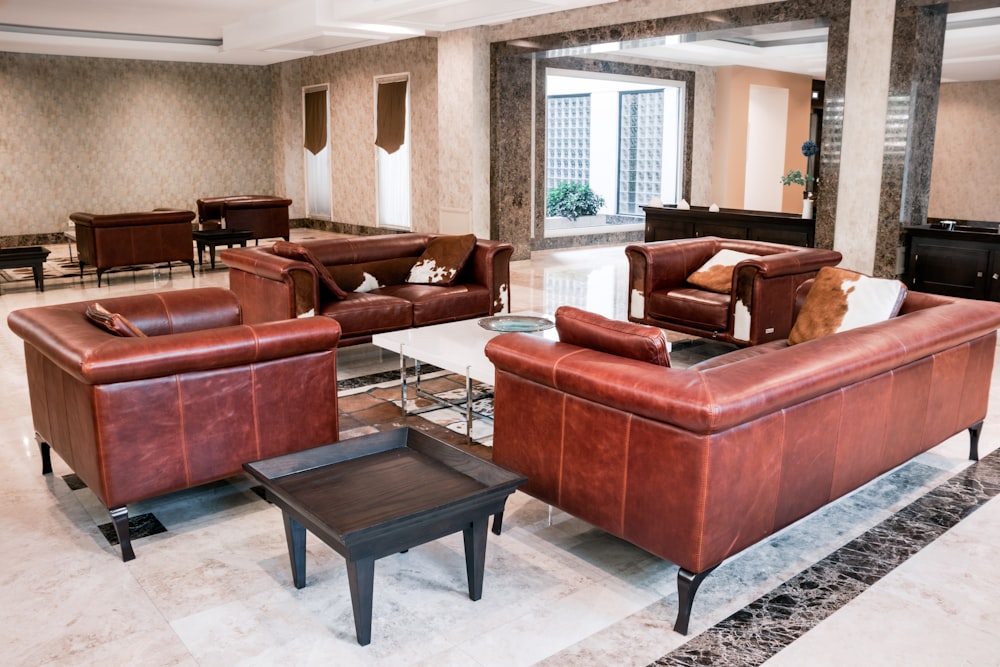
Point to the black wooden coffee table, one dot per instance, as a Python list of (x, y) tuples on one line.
[(380, 494), (23, 257), (215, 237)]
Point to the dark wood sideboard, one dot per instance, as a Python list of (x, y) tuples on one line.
[(666, 223), (964, 261)]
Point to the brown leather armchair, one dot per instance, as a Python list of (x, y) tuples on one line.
[(127, 239), (188, 403), (759, 306), (264, 215)]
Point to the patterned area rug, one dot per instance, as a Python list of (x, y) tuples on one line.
[(438, 404)]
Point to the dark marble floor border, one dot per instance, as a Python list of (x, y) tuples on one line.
[(767, 625)]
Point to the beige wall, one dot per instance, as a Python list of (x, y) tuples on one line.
[(732, 90), (963, 185), (106, 135), (351, 77)]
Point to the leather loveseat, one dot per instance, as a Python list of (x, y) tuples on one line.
[(264, 215), (695, 465), (752, 306), (372, 271), (130, 239), (190, 400)]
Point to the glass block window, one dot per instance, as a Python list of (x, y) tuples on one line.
[(567, 139), (640, 149)]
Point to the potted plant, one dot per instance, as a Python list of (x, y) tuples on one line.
[(573, 200), (796, 177)]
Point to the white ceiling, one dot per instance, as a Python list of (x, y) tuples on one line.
[(262, 32), (248, 32)]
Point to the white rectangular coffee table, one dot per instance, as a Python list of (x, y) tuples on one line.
[(458, 347)]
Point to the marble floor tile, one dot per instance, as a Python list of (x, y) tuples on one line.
[(902, 571)]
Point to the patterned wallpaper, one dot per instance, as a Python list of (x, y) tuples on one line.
[(107, 136)]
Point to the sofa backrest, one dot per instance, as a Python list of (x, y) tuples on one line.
[(357, 250)]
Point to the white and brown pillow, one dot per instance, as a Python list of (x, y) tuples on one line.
[(840, 300), (624, 339), (368, 276), (115, 323), (716, 275), (443, 260)]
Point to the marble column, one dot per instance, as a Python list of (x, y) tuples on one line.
[(464, 132), (865, 102), (914, 88)]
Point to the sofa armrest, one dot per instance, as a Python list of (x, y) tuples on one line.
[(766, 287), (806, 260), (282, 287), (490, 266)]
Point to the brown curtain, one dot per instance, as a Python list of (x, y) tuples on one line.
[(315, 121), (391, 116)]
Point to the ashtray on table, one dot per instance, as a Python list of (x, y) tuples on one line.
[(514, 323)]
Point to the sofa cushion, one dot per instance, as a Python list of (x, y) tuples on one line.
[(116, 323), (362, 314), (624, 339), (300, 252), (443, 260), (840, 300), (433, 304), (716, 275), (692, 307), (368, 276)]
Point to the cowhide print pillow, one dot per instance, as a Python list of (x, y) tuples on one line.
[(300, 252), (623, 339), (840, 300), (716, 275), (368, 276), (443, 259), (113, 322)]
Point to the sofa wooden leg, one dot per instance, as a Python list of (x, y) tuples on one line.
[(43, 449), (119, 518), (687, 585), (974, 432)]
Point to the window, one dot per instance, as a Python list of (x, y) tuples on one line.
[(392, 150), (567, 150), (640, 149), (316, 149), (622, 135)]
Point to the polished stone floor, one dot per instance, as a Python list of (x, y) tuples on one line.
[(903, 571)]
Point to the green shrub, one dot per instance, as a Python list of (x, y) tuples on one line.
[(571, 200)]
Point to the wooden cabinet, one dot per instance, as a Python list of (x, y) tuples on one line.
[(667, 223), (953, 263)]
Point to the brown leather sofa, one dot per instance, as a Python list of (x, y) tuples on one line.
[(273, 287), (130, 239), (758, 306), (190, 402), (695, 465), (263, 215)]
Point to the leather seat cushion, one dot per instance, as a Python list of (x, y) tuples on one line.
[(700, 308), (364, 313), (440, 303)]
